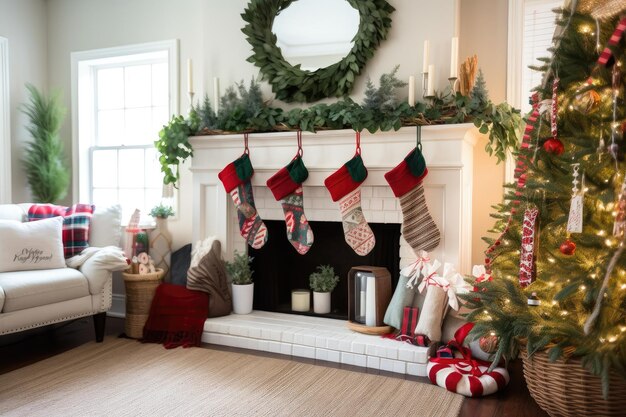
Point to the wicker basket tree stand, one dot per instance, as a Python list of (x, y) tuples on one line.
[(140, 289), (566, 389)]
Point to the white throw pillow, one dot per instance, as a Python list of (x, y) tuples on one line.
[(31, 245), (106, 227)]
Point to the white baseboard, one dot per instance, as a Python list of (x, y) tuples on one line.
[(118, 306)]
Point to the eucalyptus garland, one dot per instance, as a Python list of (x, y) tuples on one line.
[(291, 83)]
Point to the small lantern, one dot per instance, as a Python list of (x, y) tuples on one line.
[(369, 293)]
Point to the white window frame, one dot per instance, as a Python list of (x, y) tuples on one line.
[(5, 124), (514, 66), (83, 66)]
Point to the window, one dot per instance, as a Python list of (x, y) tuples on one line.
[(5, 131), (531, 30), (124, 97)]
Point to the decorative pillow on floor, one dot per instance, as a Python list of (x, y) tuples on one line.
[(209, 276), (76, 223), (28, 246)]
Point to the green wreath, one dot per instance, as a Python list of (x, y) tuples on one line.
[(290, 83)]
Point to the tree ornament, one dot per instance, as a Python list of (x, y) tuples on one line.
[(533, 300), (619, 226), (554, 146), (489, 343), (527, 251), (587, 102), (575, 218), (606, 57), (568, 247)]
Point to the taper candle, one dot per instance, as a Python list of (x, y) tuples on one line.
[(426, 56), (216, 94), (454, 58), (189, 76), (411, 90), (431, 81)]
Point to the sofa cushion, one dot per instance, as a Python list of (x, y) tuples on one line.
[(2, 297), (12, 212), (106, 226), (76, 223), (27, 246), (26, 289)]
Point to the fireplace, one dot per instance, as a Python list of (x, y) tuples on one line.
[(448, 151), (278, 268)]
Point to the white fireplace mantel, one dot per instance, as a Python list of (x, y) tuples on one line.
[(448, 150)]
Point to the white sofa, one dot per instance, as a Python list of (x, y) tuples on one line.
[(34, 298)]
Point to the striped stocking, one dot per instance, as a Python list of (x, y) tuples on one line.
[(251, 226), (405, 180)]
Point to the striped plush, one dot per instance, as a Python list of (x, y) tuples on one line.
[(418, 227), (76, 222)]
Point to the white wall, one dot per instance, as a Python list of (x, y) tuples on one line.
[(210, 34), (24, 24)]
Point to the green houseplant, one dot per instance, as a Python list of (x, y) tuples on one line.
[(240, 274), (322, 283), (46, 171), (161, 211), (161, 238)]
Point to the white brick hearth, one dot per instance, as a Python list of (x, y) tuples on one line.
[(315, 338)]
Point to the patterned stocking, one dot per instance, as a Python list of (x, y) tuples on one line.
[(286, 185), (344, 185), (355, 228), (236, 179)]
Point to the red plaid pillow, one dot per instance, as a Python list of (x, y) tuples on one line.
[(76, 222)]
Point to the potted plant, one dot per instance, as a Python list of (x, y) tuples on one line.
[(241, 277), (161, 238), (322, 283)]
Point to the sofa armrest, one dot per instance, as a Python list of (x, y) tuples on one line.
[(98, 267)]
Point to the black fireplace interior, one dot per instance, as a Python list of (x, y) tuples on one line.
[(279, 269)]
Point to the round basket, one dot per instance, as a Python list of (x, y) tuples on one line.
[(565, 388), (140, 290)]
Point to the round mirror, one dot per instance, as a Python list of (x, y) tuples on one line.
[(292, 82), (316, 33)]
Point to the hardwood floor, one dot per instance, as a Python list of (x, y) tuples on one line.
[(22, 349)]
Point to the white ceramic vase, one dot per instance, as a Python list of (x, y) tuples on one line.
[(161, 246), (242, 298), (321, 302)]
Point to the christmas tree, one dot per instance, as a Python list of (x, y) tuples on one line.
[(556, 273)]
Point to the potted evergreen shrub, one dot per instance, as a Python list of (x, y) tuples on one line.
[(322, 283), (46, 170), (161, 238), (241, 277)]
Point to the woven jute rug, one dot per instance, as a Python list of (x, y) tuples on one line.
[(122, 377)]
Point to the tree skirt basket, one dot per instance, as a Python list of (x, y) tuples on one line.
[(140, 290), (565, 389)]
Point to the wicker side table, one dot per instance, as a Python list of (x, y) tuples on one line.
[(140, 290)]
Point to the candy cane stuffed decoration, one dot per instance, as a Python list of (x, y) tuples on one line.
[(527, 251), (606, 57)]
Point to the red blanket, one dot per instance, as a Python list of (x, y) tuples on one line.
[(177, 316)]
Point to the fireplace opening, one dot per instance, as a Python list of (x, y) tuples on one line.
[(279, 269)]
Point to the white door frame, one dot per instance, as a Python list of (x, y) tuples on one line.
[(5, 126)]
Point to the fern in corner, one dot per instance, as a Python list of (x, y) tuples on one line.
[(46, 171)]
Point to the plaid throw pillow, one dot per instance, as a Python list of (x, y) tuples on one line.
[(76, 222)]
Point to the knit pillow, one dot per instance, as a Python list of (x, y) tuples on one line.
[(76, 222)]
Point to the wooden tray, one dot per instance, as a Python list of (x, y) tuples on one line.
[(376, 330)]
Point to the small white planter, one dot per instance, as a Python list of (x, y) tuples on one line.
[(242, 298), (321, 302)]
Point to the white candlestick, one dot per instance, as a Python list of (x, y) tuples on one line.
[(300, 300), (370, 304), (216, 94), (426, 56), (362, 302), (411, 90), (431, 81), (454, 58), (189, 76)]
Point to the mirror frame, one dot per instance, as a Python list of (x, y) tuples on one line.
[(292, 84)]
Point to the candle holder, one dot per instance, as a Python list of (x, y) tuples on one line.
[(190, 94), (454, 84), (424, 84)]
